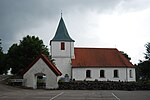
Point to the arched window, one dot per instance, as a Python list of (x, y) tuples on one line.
[(130, 73), (102, 73), (116, 74), (88, 73)]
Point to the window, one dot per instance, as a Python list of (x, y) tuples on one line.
[(130, 73), (62, 46), (116, 73), (102, 73), (88, 73)]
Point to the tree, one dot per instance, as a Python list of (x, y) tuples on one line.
[(0, 45), (144, 70), (143, 67), (1, 57), (126, 55), (22, 54), (3, 68), (147, 54)]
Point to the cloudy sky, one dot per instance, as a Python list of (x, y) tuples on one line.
[(121, 24)]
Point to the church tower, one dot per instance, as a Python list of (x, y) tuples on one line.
[(62, 49)]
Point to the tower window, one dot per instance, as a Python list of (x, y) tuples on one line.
[(102, 73), (88, 73), (62, 46), (116, 73)]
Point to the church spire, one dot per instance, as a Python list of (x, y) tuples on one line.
[(62, 33)]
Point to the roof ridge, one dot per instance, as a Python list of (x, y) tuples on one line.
[(123, 57), (46, 60), (99, 57), (94, 48), (119, 55)]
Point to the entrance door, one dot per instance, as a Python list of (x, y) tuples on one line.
[(41, 81)]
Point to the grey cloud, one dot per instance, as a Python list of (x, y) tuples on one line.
[(22, 14), (17, 16)]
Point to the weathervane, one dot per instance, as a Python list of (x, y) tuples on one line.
[(61, 13)]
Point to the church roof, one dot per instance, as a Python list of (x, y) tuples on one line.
[(99, 57), (62, 33), (47, 61)]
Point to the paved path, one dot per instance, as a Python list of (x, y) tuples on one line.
[(11, 93)]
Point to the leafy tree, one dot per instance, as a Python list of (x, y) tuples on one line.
[(143, 67), (3, 68), (22, 54), (126, 55), (1, 56), (147, 54), (144, 70), (0, 46)]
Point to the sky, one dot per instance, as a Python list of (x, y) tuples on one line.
[(121, 24)]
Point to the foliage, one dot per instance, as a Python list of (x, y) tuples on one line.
[(3, 68), (0, 46), (143, 67), (147, 54), (22, 54), (1, 56), (126, 55)]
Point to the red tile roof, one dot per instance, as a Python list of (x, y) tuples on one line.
[(99, 57), (47, 61)]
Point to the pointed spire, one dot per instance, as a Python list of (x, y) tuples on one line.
[(62, 33)]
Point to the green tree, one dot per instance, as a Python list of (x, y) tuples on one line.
[(22, 54), (3, 68), (144, 70), (126, 55), (147, 54), (143, 67), (1, 57)]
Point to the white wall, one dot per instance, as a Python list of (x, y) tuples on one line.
[(80, 74), (64, 65), (133, 78), (63, 57), (40, 67), (56, 51)]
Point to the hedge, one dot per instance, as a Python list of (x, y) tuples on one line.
[(101, 85)]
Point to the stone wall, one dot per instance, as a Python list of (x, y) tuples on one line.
[(103, 85)]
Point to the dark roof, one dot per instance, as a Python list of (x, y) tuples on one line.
[(47, 61), (62, 33), (99, 57)]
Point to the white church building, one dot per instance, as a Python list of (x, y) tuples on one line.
[(89, 64), (78, 64)]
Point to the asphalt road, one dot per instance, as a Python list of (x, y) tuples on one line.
[(11, 93)]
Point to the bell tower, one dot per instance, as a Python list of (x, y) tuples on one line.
[(62, 49)]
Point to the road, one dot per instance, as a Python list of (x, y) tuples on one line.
[(12, 93)]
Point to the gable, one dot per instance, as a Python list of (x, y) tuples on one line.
[(99, 57), (46, 61)]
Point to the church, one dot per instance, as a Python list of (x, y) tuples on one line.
[(88, 64), (79, 64)]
